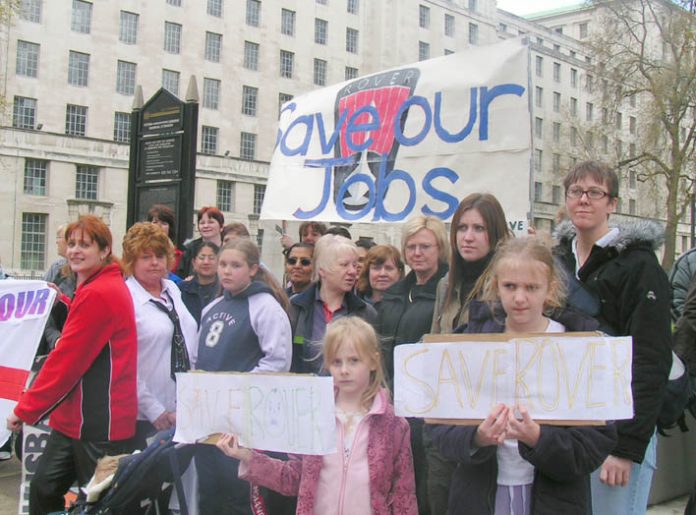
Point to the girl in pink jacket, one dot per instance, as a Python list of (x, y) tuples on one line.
[(372, 471)]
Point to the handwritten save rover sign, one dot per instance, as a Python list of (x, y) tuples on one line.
[(412, 140), (272, 412), (558, 377)]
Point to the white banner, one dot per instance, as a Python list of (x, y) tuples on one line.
[(24, 309), (271, 412), (557, 377), (411, 140)]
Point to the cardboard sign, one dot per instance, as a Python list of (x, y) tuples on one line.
[(272, 412), (572, 377), (413, 140)]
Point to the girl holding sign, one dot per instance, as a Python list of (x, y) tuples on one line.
[(245, 330), (372, 471), (509, 464)]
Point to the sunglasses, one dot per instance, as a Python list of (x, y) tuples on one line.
[(292, 261)]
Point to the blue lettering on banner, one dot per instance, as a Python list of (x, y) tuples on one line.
[(296, 139)]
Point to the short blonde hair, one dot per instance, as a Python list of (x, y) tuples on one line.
[(434, 225), (327, 250), (143, 237), (362, 335), (530, 249)]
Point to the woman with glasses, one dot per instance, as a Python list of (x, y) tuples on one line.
[(406, 313), (167, 339), (298, 267), (204, 287), (618, 269)]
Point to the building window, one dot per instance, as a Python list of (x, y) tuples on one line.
[(423, 50), (631, 150), (27, 59), (605, 143), (30, 10), (287, 22), (209, 140), (447, 51), (539, 96), (253, 13), (287, 64), (556, 102), (175, 3), (538, 127), (573, 78), (215, 8), (502, 27), (128, 28), (211, 93), (473, 5), (250, 98), (24, 113), (247, 146), (213, 45), (539, 66), (423, 17), (619, 121), (35, 177), (556, 132), (632, 124), (556, 191), (319, 72), (81, 16), (172, 37), (631, 207), (33, 241), (75, 120), (573, 106), (225, 195), (251, 55), (122, 127), (573, 137), (540, 41), (321, 29), (632, 100), (86, 182), (322, 2), (449, 25), (351, 40), (632, 179), (557, 72), (170, 81), (259, 194), (583, 30), (473, 34), (78, 69), (589, 111), (353, 6), (538, 190), (351, 73), (557, 163), (589, 84), (125, 78), (282, 98)]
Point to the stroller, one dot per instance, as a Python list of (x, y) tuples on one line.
[(141, 478)]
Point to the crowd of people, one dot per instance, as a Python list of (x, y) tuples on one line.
[(341, 308)]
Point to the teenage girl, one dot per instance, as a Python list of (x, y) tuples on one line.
[(245, 330), (510, 464), (372, 471)]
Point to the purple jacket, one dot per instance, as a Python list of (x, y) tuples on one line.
[(389, 460)]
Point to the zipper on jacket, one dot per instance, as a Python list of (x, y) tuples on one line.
[(346, 463)]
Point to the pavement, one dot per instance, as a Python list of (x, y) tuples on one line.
[(10, 477)]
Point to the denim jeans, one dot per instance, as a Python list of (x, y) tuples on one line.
[(631, 499)]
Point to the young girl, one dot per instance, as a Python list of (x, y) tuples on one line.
[(510, 464), (245, 330), (372, 472)]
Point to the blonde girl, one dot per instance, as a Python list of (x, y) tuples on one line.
[(372, 471), (509, 464), (245, 330)]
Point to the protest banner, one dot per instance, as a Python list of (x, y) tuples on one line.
[(407, 141), (24, 309), (572, 377), (271, 412)]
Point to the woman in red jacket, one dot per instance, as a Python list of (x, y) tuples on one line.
[(88, 382)]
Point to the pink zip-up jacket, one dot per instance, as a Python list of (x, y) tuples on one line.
[(389, 463)]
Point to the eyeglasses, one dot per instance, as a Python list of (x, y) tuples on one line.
[(419, 247), (206, 257), (592, 193), (292, 261)]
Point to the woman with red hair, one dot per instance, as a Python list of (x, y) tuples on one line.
[(210, 224), (88, 382)]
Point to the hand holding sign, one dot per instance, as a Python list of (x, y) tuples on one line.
[(14, 423), (524, 428), (492, 431), (229, 445)]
